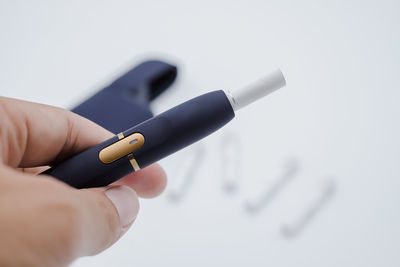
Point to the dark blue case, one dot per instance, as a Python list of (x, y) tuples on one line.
[(125, 102)]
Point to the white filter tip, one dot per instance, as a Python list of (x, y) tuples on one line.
[(256, 90)]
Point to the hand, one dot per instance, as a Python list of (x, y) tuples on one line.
[(44, 222)]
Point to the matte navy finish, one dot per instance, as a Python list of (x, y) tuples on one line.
[(86, 170), (125, 102), (181, 126), (164, 134)]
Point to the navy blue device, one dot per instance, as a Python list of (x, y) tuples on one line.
[(146, 142), (125, 102)]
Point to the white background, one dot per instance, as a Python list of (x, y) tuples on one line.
[(339, 115)]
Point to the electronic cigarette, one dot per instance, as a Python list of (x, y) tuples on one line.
[(160, 136)]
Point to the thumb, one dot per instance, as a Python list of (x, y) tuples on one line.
[(108, 214)]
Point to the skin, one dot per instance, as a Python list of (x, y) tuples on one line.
[(44, 222)]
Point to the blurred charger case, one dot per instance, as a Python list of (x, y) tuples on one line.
[(125, 102)]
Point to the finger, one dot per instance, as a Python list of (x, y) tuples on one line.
[(61, 223), (148, 182), (34, 170), (35, 134), (109, 213)]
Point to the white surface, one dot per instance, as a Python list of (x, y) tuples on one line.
[(256, 90), (339, 114)]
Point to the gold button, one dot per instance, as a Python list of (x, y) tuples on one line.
[(121, 148)]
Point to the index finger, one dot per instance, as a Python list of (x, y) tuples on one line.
[(35, 134)]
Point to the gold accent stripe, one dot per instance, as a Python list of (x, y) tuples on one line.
[(133, 162), (120, 136)]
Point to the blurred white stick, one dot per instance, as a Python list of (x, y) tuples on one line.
[(294, 227), (285, 174), (186, 172), (231, 162)]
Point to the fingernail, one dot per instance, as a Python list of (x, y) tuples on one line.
[(125, 201)]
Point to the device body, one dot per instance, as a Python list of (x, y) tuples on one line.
[(146, 142), (159, 136)]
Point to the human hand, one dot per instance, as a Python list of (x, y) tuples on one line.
[(44, 222)]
